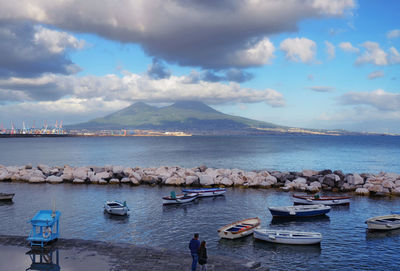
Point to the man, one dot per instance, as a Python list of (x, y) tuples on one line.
[(194, 246)]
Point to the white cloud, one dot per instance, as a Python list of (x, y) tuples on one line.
[(299, 49), (322, 88), (373, 54), (375, 74), (395, 33), (330, 50), (380, 99), (256, 55), (55, 41), (348, 47), (187, 32), (134, 87), (394, 56)]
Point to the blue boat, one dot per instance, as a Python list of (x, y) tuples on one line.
[(206, 192), (45, 227), (299, 211)]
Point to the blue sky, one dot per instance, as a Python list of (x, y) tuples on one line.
[(304, 63)]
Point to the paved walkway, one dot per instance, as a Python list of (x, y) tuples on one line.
[(138, 258)]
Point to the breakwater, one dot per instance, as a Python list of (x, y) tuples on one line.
[(382, 184)]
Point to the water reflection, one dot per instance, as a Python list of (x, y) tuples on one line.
[(299, 220), (120, 219), (371, 235), (44, 259), (288, 249)]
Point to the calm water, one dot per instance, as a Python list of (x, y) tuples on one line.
[(286, 153), (346, 244)]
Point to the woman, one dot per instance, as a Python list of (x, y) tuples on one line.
[(202, 252)]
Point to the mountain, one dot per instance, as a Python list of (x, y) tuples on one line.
[(188, 116)]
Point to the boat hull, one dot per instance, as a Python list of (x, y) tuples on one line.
[(299, 211), (288, 237), (211, 192), (179, 199), (384, 223), (239, 229), (322, 200), (117, 210), (6, 196)]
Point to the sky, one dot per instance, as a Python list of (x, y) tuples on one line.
[(328, 64)]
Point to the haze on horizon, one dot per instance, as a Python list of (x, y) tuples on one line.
[(320, 64)]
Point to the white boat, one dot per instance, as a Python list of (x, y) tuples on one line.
[(239, 229), (288, 237), (116, 207), (206, 192), (6, 196), (386, 222), (299, 210), (179, 199), (326, 200)]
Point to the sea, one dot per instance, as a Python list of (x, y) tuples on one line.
[(346, 244)]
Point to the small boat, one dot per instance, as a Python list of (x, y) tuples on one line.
[(45, 227), (116, 208), (386, 222), (239, 228), (299, 210), (206, 192), (179, 199), (6, 196), (288, 237), (326, 200)]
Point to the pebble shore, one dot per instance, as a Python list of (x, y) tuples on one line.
[(311, 181), (134, 257)]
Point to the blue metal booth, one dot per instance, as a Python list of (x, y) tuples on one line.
[(45, 227)]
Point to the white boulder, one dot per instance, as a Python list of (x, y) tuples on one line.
[(54, 179)]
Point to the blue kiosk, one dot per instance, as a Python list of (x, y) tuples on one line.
[(45, 227)]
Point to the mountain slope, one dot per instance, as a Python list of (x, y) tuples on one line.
[(188, 116)]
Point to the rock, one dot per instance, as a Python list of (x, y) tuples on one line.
[(397, 183), (36, 180), (348, 187), (94, 178), (226, 182), (192, 180), (54, 171), (362, 191), (331, 179), (78, 181), (340, 174), (117, 169), (202, 168), (102, 181), (313, 189), (376, 188), (175, 181), (134, 181), (237, 180), (316, 184), (114, 181), (308, 173), (206, 180), (396, 191), (300, 180), (125, 180), (28, 166), (45, 169), (149, 179), (388, 184), (68, 173), (135, 175), (5, 176), (325, 172), (354, 179), (54, 179)]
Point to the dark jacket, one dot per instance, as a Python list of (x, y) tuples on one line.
[(194, 246), (202, 255)]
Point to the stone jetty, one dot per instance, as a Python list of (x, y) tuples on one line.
[(311, 181)]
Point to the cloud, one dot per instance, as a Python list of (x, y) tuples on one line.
[(158, 70), (395, 33), (310, 77), (231, 75), (330, 50), (375, 74), (394, 56), (372, 54), (133, 87), (28, 50), (208, 34), (322, 88), (348, 47), (379, 99), (299, 49)]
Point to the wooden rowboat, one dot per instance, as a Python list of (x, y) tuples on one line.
[(326, 200), (179, 199), (239, 229), (299, 211), (6, 196), (386, 222), (288, 237)]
